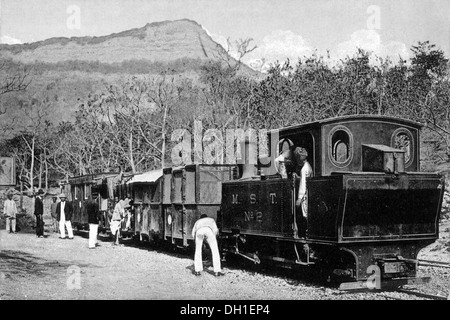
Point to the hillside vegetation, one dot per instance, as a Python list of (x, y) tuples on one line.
[(77, 115)]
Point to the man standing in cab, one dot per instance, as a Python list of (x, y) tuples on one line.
[(301, 156)]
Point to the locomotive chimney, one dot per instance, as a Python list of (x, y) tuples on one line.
[(249, 150)]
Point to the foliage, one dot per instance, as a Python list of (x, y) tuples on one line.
[(127, 126)]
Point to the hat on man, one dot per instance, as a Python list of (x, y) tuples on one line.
[(204, 215), (62, 195), (40, 191), (299, 151)]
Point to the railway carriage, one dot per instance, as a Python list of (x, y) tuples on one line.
[(182, 194), (79, 189), (145, 190)]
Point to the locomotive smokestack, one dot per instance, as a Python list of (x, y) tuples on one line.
[(249, 148)]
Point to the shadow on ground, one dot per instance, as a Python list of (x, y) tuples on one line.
[(21, 264)]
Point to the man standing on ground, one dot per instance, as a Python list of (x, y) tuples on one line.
[(10, 211), (92, 209), (39, 213), (206, 228), (116, 220), (64, 216), (53, 206)]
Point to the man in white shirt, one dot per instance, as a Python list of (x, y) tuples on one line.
[(283, 163), (295, 160), (64, 215), (302, 201), (206, 228), (116, 220), (10, 211)]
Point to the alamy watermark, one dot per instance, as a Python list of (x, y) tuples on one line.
[(374, 19), (73, 22), (217, 147), (374, 280), (73, 281)]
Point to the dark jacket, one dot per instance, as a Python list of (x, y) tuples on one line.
[(92, 210), (38, 207), (67, 211)]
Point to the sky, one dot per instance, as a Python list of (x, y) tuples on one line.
[(280, 29)]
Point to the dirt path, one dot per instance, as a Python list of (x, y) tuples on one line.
[(46, 268), (51, 268)]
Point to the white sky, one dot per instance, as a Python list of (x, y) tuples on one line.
[(280, 29)]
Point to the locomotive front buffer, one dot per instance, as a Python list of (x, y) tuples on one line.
[(387, 273)]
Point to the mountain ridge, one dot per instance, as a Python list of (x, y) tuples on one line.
[(156, 41)]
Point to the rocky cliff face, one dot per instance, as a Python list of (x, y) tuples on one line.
[(161, 41)]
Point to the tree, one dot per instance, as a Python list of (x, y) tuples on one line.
[(234, 52), (124, 128), (428, 61), (33, 122), (12, 79)]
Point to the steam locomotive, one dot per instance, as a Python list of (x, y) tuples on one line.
[(370, 209)]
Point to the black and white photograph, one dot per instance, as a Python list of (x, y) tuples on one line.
[(224, 155)]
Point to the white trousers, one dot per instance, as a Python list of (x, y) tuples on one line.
[(128, 224), (68, 225), (206, 233), (93, 229), (11, 224), (305, 206)]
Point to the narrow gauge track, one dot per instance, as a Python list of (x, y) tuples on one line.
[(412, 292), (422, 295)]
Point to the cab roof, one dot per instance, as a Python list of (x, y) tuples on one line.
[(358, 117)]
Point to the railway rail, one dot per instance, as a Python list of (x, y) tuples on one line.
[(412, 292), (422, 294)]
